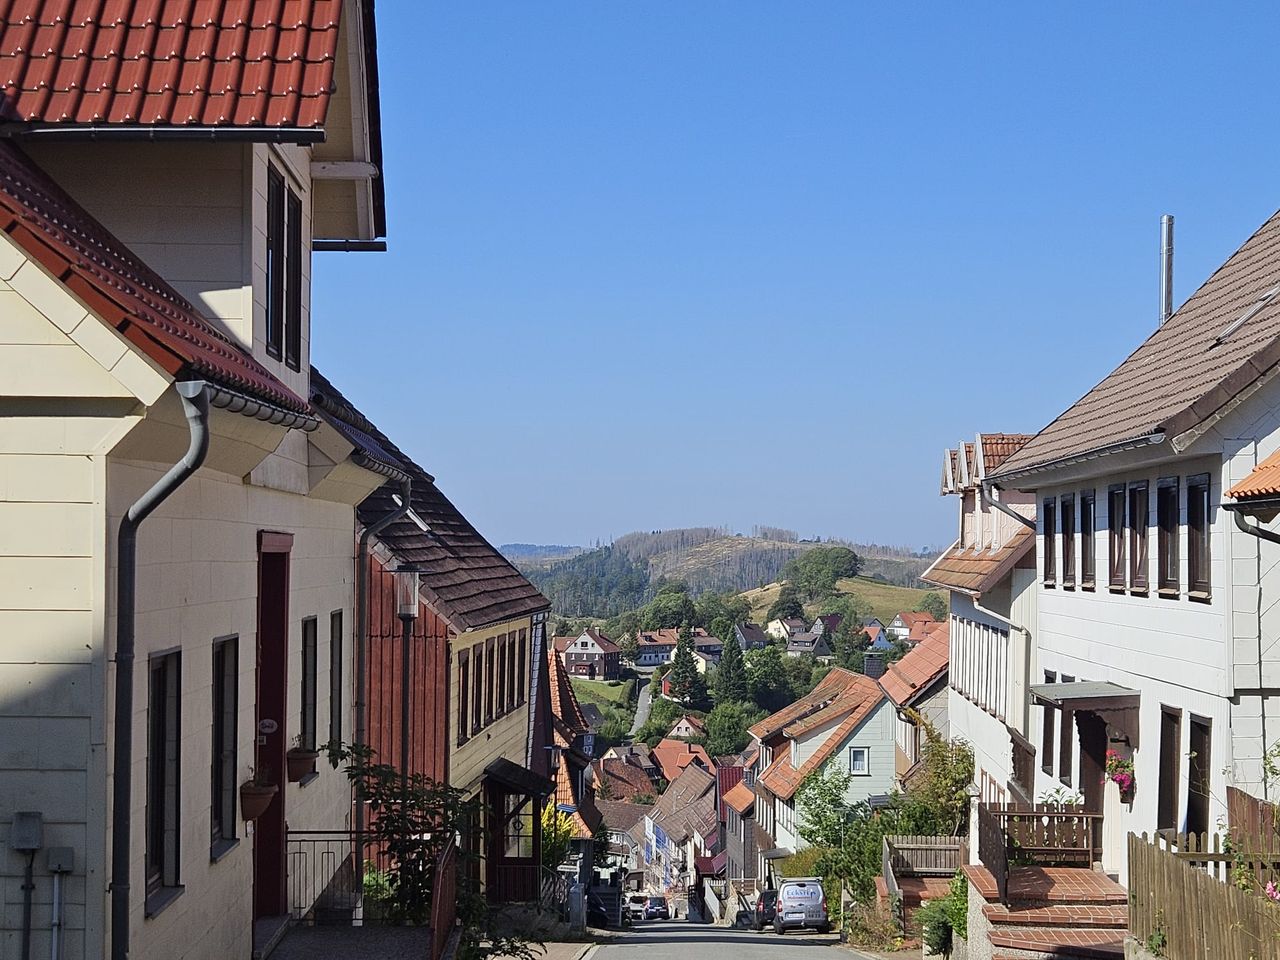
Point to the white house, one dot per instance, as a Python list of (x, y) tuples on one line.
[(781, 629), (155, 295), (989, 572), (847, 723), (1156, 613), (900, 627)]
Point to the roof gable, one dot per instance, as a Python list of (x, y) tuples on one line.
[(924, 664), (1184, 372)]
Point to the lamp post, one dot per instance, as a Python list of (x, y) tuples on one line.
[(407, 580)]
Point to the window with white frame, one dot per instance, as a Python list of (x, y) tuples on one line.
[(860, 761)]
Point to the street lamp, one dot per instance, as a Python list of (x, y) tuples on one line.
[(407, 580)]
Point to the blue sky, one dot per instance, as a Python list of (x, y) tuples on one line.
[(666, 264)]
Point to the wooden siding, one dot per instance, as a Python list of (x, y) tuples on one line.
[(429, 674)]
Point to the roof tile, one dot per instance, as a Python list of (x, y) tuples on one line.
[(922, 665), (973, 571)]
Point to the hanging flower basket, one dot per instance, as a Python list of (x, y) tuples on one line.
[(300, 763), (1120, 772), (255, 798)]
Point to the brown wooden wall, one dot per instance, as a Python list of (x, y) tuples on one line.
[(429, 684)]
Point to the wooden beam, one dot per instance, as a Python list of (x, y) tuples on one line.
[(342, 170)]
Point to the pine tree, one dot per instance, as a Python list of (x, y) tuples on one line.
[(684, 672), (731, 674)]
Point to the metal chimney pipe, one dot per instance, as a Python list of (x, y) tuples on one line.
[(1166, 267)]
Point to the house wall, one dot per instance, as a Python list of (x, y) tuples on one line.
[(506, 735), (197, 581), (979, 661), (197, 214)]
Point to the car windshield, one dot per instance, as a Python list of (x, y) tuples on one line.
[(769, 896)]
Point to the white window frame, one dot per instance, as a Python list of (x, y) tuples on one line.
[(866, 762)]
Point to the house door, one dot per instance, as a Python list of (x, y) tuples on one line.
[(269, 896), (1198, 776), (1093, 765)]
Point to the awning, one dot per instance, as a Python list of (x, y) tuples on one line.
[(518, 778), (777, 853), (1086, 695)]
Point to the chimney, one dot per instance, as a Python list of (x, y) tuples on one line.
[(873, 664), (1166, 267)]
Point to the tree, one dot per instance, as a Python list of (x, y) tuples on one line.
[(731, 675), (800, 675), (816, 571), (671, 608), (823, 805), (629, 647), (557, 835), (788, 605), (934, 605), (947, 771), (662, 716), (727, 727), (687, 684), (767, 678)]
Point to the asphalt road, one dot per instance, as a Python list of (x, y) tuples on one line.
[(680, 940), (643, 702)]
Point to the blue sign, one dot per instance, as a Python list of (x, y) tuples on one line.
[(660, 836)]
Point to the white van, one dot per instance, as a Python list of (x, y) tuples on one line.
[(801, 904)]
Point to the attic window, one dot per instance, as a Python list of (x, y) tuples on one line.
[(1245, 317)]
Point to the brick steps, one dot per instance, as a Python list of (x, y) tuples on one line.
[(1108, 916)]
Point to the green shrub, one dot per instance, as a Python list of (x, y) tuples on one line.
[(944, 919), (870, 925)]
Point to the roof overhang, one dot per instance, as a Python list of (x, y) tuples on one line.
[(1122, 446), (517, 778), (1086, 695), (777, 853)]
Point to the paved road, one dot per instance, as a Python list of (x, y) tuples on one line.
[(643, 702), (678, 940)]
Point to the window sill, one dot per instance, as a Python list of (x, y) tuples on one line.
[(1169, 593), (1068, 586), (220, 848), (1199, 596), (1088, 587), (1117, 588), (159, 901), (1050, 584), (311, 777), (1139, 592)]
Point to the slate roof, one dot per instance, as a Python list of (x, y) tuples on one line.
[(754, 634), (684, 805), (225, 63), (1185, 371), (920, 668), (86, 258), (1262, 482), (974, 571), (464, 577)]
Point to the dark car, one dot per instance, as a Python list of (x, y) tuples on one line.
[(656, 909), (766, 907)]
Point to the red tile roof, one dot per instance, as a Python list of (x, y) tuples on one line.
[(1262, 481), (88, 260), (565, 711), (673, 756), (166, 62), (621, 780), (828, 688), (973, 571), (999, 447), (912, 617), (924, 664), (740, 798)]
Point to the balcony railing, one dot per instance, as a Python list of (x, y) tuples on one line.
[(1011, 835)]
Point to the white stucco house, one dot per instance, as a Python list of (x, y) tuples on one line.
[(177, 592), (989, 573), (1156, 612)]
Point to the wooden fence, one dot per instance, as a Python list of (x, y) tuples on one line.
[(1049, 834), (1224, 858), (993, 848), (1255, 824), (444, 900), (926, 856), (1191, 915)]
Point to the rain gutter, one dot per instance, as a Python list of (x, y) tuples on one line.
[(1121, 447), (990, 501), (233, 401), (154, 132)]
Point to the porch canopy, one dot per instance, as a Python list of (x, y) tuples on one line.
[(1116, 705), (518, 779)]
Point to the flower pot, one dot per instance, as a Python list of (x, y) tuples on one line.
[(300, 763), (255, 798)]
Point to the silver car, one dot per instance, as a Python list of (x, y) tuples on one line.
[(801, 904)]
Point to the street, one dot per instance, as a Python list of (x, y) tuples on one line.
[(669, 940), (644, 701)]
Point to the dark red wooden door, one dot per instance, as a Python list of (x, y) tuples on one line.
[(269, 879)]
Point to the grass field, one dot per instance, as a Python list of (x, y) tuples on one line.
[(886, 600), (598, 692)]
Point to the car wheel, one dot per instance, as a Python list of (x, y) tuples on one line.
[(779, 929)]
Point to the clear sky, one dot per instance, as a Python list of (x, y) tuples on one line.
[(659, 264)]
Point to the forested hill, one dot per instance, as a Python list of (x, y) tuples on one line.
[(608, 580)]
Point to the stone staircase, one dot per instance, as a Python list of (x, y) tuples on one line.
[(1052, 913)]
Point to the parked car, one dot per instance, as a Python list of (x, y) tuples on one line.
[(801, 903), (766, 905), (636, 903), (597, 915), (656, 909)]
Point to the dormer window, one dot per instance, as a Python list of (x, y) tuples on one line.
[(284, 271)]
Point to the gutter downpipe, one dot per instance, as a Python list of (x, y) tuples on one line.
[(1262, 533), (195, 404), (984, 489), (362, 616)]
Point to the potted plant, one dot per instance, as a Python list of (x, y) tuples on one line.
[(255, 795), (1120, 772), (300, 761)]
